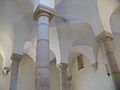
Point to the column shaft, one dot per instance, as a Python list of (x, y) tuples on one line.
[(14, 71), (106, 38), (42, 81), (112, 63)]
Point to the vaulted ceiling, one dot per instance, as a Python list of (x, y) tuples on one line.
[(80, 16)]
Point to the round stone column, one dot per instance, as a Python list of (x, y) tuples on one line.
[(42, 15), (106, 38), (14, 71), (63, 76), (42, 81)]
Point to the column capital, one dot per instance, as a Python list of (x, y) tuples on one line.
[(16, 57), (103, 36), (43, 10), (63, 66)]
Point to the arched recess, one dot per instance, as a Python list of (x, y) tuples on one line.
[(77, 50), (73, 33)]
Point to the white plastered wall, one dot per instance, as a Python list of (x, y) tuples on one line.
[(88, 79)]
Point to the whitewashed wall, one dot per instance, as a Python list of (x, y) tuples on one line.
[(88, 79)]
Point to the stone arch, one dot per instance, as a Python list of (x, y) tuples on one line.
[(115, 20), (106, 8), (77, 31), (85, 44), (87, 51)]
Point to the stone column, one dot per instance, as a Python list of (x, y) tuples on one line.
[(42, 76), (14, 71), (63, 76), (106, 38)]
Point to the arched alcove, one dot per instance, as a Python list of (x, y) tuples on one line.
[(86, 50), (106, 8)]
